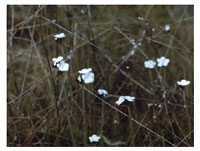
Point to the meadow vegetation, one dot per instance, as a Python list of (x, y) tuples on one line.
[(48, 107)]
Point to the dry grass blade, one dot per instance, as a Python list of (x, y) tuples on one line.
[(28, 139)]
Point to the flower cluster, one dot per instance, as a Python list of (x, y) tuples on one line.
[(88, 76), (132, 51), (135, 44), (162, 62)]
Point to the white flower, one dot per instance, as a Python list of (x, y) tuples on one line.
[(102, 92), (94, 138), (60, 63), (87, 75), (62, 66), (183, 82), (59, 36), (162, 61), (167, 27), (123, 98), (57, 60), (149, 64)]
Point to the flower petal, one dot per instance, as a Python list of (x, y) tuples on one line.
[(84, 71), (129, 98), (120, 100), (102, 92), (62, 66), (88, 77)]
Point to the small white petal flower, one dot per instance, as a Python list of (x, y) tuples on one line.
[(84, 71), (102, 92), (167, 27), (149, 64), (183, 82), (153, 29), (162, 61), (120, 100), (59, 36), (88, 77), (62, 66), (129, 98), (123, 98), (57, 60), (94, 138)]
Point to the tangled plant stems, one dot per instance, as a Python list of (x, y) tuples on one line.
[(108, 76)]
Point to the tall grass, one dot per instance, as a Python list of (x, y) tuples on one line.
[(51, 108)]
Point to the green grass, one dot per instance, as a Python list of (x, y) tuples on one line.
[(51, 108)]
